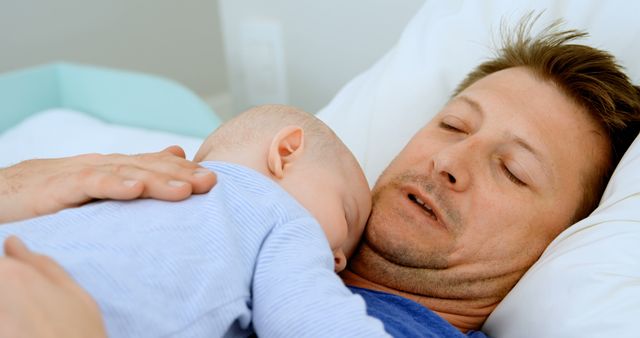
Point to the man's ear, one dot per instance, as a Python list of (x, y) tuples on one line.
[(286, 147)]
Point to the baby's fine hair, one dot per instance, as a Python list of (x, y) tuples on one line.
[(258, 123)]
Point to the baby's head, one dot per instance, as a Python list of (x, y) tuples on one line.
[(308, 160)]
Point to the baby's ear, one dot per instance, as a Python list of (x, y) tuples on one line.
[(285, 148), (340, 260)]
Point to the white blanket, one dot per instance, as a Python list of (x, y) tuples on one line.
[(64, 132)]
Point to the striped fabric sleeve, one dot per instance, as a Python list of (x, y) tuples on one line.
[(296, 292)]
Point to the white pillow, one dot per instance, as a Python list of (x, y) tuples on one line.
[(63, 132), (377, 112), (587, 282)]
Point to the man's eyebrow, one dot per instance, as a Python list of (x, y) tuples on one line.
[(526, 146), (517, 139), (522, 143), (475, 105)]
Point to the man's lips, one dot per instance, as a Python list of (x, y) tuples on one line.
[(426, 204)]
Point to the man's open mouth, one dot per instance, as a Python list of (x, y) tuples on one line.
[(415, 199)]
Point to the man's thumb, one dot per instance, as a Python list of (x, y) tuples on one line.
[(16, 249)]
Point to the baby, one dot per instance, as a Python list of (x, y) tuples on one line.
[(255, 254)]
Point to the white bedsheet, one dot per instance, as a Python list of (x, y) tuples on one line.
[(64, 132)]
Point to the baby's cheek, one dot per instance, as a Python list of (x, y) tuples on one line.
[(333, 235), (340, 235)]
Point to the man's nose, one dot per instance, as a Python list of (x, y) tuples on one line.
[(452, 166)]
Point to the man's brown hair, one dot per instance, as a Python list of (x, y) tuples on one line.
[(591, 77)]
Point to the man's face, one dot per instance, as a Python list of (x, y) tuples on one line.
[(479, 192)]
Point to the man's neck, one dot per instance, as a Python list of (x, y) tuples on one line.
[(463, 298), (465, 315)]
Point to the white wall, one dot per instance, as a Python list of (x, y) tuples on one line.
[(177, 39), (324, 44)]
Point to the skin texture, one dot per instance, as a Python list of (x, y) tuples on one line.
[(498, 204), (336, 193), (37, 187), (39, 299)]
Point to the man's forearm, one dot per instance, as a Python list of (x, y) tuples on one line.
[(10, 201), (4, 186)]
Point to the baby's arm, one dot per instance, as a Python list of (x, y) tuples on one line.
[(297, 294)]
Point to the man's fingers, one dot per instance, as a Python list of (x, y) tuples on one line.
[(153, 175), (125, 182), (175, 150), (39, 187), (100, 183), (203, 180), (170, 162)]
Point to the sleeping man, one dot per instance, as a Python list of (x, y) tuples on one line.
[(522, 150), (245, 256)]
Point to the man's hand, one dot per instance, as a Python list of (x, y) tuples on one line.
[(39, 299), (37, 187)]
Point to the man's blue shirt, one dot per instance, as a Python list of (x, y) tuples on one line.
[(403, 317)]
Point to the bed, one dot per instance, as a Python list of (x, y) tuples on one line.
[(64, 109), (587, 282)]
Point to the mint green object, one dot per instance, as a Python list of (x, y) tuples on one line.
[(114, 96)]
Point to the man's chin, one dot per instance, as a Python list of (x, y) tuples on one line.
[(385, 251)]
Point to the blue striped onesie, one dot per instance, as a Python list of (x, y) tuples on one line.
[(245, 257)]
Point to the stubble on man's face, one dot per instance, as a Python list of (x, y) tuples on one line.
[(402, 254), (498, 227)]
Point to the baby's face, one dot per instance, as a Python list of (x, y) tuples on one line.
[(338, 196)]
